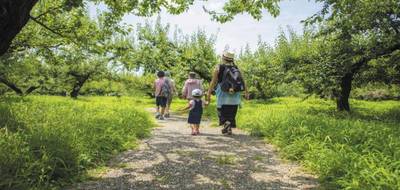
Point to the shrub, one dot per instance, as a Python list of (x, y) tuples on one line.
[(377, 91), (358, 150), (49, 141)]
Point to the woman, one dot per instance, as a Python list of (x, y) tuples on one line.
[(228, 101), (172, 93), (190, 84)]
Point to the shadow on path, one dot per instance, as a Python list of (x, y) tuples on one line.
[(173, 159)]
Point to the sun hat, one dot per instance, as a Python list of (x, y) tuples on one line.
[(228, 56), (197, 93)]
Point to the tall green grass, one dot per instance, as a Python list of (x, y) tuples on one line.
[(357, 150), (46, 142)]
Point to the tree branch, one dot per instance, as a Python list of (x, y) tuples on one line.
[(11, 86), (31, 89), (44, 26), (49, 11), (355, 67)]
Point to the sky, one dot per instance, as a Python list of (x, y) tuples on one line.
[(239, 32)]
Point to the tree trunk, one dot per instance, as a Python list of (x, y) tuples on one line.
[(78, 85), (260, 90), (11, 86), (344, 94), (14, 14)]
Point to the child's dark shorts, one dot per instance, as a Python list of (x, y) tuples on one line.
[(161, 101)]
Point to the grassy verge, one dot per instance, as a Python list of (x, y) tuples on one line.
[(357, 150), (46, 142)]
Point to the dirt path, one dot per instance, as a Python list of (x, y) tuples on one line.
[(173, 159)]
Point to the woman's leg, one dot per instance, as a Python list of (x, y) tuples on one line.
[(228, 117), (168, 106), (220, 118), (228, 113)]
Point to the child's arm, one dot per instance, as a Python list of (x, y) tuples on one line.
[(188, 106)]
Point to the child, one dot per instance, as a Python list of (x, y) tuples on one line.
[(196, 110)]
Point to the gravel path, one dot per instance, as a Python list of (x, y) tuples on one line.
[(173, 159)]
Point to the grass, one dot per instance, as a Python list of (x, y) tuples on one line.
[(357, 150), (224, 159), (46, 142)]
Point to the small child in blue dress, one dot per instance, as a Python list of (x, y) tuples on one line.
[(195, 106)]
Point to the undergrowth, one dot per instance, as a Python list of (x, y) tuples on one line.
[(47, 142), (357, 150)]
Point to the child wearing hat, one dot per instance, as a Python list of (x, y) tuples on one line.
[(195, 106)]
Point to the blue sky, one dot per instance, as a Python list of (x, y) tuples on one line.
[(243, 29)]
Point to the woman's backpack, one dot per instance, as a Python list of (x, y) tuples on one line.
[(165, 89), (231, 79)]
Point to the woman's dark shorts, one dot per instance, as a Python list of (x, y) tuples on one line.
[(161, 101)]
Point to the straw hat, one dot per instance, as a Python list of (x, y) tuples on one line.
[(228, 56)]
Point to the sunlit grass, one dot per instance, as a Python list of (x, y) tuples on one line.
[(357, 150), (48, 141)]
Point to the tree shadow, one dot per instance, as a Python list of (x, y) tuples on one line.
[(358, 113), (208, 161)]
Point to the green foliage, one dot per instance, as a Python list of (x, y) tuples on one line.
[(269, 71), (157, 51), (48, 141), (359, 150), (377, 91)]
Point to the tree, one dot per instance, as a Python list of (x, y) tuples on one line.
[(14, 14), (155, 50), (355, 33), (68, 55), (197, 54), (23, 72)]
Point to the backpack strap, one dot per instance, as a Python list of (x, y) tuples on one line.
[(221, 69)]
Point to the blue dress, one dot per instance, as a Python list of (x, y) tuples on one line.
[(196, 112)]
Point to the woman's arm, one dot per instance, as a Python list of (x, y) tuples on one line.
[(184, 91), (213, 83)]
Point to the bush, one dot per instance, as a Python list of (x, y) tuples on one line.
[(377, 91), (360, 150), (50, 141)]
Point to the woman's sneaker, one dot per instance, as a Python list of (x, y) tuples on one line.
[(158, 115), (230, 131), (161, 117), (226, 128), (166, 115)]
